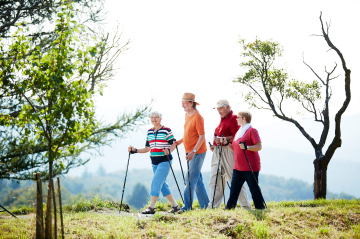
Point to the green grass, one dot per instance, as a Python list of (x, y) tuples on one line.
[(82, 205), (22, 210), (294, 219), (95, 203)]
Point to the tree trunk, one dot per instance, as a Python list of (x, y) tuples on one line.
[(320, 179), (48, 232)]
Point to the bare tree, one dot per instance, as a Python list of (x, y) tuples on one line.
[(270, 88)]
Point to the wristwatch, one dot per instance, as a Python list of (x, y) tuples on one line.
[(194, 150)]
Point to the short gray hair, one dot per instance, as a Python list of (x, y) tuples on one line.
[(156, 113)]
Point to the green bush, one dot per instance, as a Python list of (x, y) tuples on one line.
[(22, 210)]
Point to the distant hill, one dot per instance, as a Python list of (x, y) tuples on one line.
[(286, 153), (342, 175), (109, 186)]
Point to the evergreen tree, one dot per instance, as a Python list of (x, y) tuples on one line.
[(101, 171), (139, 196)]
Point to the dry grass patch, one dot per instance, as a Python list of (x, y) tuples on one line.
[(319, 219)]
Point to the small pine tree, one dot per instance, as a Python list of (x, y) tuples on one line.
[(139, 196)]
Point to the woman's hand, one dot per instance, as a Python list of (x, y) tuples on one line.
[(242, 146), (131, 148), (212, 147), (178, 142), (166, 151)]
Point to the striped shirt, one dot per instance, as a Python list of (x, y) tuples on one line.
[(157, 141)]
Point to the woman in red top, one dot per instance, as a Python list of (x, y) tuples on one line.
[(242, 172)]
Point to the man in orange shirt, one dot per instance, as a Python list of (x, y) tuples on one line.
[(195, 148)]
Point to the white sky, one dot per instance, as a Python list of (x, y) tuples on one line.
[(191, 46)]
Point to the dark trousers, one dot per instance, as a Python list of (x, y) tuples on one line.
[(238, 179)]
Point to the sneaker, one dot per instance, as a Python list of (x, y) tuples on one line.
[(180, 211), (174, 209), (149, 210)]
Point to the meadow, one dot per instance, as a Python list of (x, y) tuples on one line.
[(98, 218)]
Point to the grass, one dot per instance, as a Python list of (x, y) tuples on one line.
[(22, 210), (82, 205), (94, 203), (290, 219)]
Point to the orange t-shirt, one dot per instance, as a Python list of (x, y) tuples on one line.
[(193, 127)]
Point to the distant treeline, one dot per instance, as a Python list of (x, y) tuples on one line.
[(109, 186)]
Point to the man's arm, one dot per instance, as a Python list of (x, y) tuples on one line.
[(178, 142), (199, 142), (228, 139), (197, 146)]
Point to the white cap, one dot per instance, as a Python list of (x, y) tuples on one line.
[(221, 103)]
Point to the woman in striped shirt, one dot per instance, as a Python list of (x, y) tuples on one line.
[(159, 141)]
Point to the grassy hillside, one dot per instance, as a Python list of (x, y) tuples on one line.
[(109, 186), (291, 219)]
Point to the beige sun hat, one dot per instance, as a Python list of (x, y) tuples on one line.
[(221, 103), (189, 97)]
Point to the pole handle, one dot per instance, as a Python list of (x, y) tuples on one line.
[(244, 145)]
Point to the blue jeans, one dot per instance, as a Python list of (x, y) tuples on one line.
[(238, 179), (196, 183), (159, 183)]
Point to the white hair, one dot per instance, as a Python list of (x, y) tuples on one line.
[(156, 113)]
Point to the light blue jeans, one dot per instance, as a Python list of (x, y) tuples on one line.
[(196, 183), (159, 183)]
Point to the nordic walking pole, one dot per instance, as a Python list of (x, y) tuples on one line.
[(222, 184), (182, 171), (5, 210), (217, 174), (252, 172), (222, 179), (189, 184), (226, 181), (167, 156), (127, 167)]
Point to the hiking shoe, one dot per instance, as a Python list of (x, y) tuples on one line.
[(179, 212), (174, 209), (149, 210)]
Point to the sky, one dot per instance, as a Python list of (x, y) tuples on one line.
[(192, 46)]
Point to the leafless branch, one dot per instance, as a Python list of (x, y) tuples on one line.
[(313, 71)]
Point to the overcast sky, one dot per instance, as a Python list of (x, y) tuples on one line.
[(192, 46)]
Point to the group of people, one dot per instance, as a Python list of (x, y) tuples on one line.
[(232, 136)]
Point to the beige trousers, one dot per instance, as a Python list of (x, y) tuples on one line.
[(227, 164)]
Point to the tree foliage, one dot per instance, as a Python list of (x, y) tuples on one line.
[(21, 156), (39, 13)]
